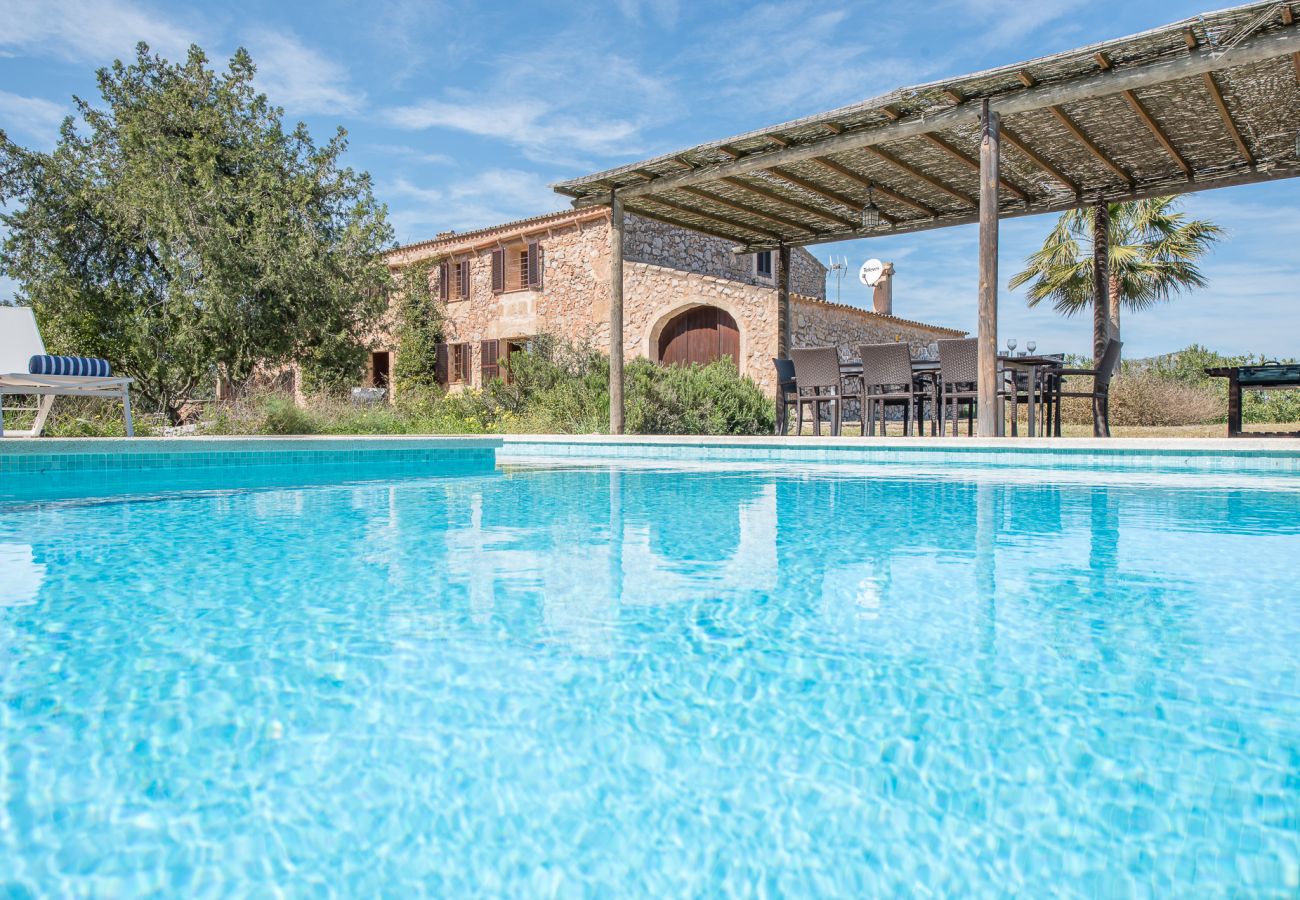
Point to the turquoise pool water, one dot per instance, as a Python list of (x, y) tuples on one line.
[(659, 681)]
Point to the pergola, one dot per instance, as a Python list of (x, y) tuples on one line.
[(1208, 102)]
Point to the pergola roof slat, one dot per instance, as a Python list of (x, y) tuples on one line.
[(961, 197), (1029, 152), (1217, 96), (768, 193), (865, 182)]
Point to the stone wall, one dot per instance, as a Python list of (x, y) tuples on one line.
[(818, 323), (646, 240)]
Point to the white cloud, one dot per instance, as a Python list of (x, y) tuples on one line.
[(563, 102), (486, 198), (94, 31), (299, 78), (32, 117)]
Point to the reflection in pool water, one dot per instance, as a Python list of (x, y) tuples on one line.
[(655, 681)]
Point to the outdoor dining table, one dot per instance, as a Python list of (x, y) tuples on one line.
[(1036, 366)]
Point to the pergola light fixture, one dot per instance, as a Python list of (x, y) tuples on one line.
[(871, 213)]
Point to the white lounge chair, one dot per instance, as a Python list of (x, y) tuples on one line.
[(20, 340)]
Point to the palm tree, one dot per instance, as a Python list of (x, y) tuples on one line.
[(1152, 256)]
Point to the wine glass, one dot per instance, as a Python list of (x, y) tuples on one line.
[(1011, 346), (1031, 346)]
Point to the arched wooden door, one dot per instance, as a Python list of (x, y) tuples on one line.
[(699, 335)]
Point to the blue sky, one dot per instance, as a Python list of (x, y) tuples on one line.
[(466, 112)]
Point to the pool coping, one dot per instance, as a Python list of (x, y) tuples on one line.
[(1287, 447)]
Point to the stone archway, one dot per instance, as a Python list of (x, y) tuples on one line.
[(698, 334)]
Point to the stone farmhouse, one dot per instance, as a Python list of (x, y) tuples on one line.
[(687, 298)]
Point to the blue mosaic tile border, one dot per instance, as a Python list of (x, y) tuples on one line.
[(1281, 462), (67, 468)]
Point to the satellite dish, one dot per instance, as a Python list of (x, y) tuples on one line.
[(870, 272)]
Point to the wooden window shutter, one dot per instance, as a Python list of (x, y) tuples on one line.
[(466, 362), (440, 365), (489, 352), (534, 265), (462, 269), (498, 270), (444, 281)]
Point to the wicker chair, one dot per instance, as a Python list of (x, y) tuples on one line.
[(818, 381), (886, 381), (787, 394), (958, 382), (1100, 393)]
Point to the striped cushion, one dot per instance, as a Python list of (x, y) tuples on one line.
[(68, 365)]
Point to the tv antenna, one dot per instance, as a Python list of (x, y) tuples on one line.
[(837, 268)]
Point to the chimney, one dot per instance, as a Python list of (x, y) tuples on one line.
[(882, 297)]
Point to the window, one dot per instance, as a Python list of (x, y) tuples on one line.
[(462, 363), (455, 363), (517, 268), (454, 280), (763, 264)]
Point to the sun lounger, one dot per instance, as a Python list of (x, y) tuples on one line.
[(20, 340)]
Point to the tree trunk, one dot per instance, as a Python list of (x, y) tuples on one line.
[(1114, 309), (1100, 280)]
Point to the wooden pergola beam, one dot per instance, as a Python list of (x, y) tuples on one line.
[(972, 164), (1217, 96), (865, 182), (1100, 155), (1288, 18), (824, 192), (1159, 133), (640, 210), (826, 214), (1104, 63), (921, 176), (1073, 127), (737, 206), (725, 221), (1038, 159)]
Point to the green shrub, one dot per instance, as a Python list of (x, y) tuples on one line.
[(711, 399), (280, 415)]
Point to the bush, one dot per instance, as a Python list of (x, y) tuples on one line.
[(1145, 398), (553, 388), (711, 399)]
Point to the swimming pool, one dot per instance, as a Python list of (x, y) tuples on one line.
[(658, 678)]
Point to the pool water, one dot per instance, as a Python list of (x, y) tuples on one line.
[(656, 681)]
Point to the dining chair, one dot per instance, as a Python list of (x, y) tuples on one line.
[(1100, 393), (958, 382), (817, 382), (787, 394), (887, 381)]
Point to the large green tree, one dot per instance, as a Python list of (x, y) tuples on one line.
[(183, 233), (1153, 254)]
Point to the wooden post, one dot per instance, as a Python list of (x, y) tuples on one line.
[(616, 316), (1100, 301), (988, 291), (782, 301)]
